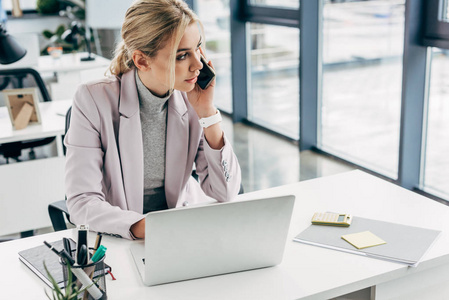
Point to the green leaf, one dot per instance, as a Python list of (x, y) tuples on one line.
[(60, 30), (56, 288), (47, 294), (71, 291), (47, 34)]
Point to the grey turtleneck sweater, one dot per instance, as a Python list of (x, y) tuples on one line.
[(153, 117)]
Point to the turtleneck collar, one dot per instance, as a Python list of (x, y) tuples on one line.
[(152, 103)]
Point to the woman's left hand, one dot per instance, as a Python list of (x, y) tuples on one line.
[(203, 100)]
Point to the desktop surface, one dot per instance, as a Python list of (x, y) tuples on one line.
[(53, 123), (306, 272)]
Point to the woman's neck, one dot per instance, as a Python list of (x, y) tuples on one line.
[(153, 85)]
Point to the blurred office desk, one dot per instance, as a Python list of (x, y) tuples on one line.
[(28, 187), (71, 62), (306, 272), (69, 71), (63, 75)]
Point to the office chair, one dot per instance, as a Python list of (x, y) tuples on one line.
[(57, 210), (19, 78)]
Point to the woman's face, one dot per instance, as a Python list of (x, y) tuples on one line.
[(187, 68)]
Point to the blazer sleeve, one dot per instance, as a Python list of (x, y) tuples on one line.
[(85, 188), (218, 171)]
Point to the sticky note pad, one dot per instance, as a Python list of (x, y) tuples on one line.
[(363, 239)]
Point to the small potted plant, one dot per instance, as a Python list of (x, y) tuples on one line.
[(56, 44)]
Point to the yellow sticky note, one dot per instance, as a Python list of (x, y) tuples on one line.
[(363, 239)]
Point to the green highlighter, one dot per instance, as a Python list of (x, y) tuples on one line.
[(99, 253)]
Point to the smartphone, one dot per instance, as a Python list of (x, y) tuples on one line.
[(332, 219), (207, 74)]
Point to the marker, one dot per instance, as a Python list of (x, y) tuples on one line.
[(99, 254), (82, 240), (86, 282)]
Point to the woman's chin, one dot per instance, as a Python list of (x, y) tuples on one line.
[(187, 87)]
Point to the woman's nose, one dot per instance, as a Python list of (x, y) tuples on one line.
[(197, 64)]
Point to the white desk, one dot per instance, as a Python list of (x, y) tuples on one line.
[(70, 62), (307, 272), (28, 187), (70, 71), (67, 72)]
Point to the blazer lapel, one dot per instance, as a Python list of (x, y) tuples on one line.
[(130, 142), (177, 145)]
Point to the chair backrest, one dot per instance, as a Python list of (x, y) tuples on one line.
[(68, 115), (16, 79), (21, 78)]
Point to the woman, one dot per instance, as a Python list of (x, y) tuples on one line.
[(135, 137)]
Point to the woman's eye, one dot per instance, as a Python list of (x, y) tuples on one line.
[(182, 57)]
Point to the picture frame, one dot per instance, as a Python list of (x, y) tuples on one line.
[(23, 107)]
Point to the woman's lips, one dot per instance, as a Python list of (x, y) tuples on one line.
[(192, 80)]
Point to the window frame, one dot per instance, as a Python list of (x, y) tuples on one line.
[(423, 28), (436, 29)]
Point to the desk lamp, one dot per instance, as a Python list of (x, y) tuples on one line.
[(10, 50), (71, 36)]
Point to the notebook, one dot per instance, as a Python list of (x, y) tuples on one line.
[(206, 240), (35, 257), (403, 244)]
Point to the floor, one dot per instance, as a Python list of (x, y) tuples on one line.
[(267, 160)]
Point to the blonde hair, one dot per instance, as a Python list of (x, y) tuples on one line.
[(148, 26)]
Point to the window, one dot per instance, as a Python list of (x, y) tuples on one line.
[(445, 11), (215, 16), (24, 4), (436, 170), (274, 85), (437, 24), (362, 75)]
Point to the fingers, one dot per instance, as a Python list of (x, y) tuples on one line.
[(209, 62)]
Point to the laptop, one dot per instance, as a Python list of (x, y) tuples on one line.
[(214, 239)]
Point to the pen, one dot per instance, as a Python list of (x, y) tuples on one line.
[(67, 246), (97, 241), (63, 254)]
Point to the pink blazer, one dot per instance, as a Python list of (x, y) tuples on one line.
[(104, 161)]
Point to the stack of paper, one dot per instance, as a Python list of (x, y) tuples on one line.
[(404, 244)]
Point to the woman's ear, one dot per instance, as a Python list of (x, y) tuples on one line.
[(141, 61)]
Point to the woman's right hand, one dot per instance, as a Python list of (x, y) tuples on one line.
[(138, 229)]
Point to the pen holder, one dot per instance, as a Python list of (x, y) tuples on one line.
[(91, 276)]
